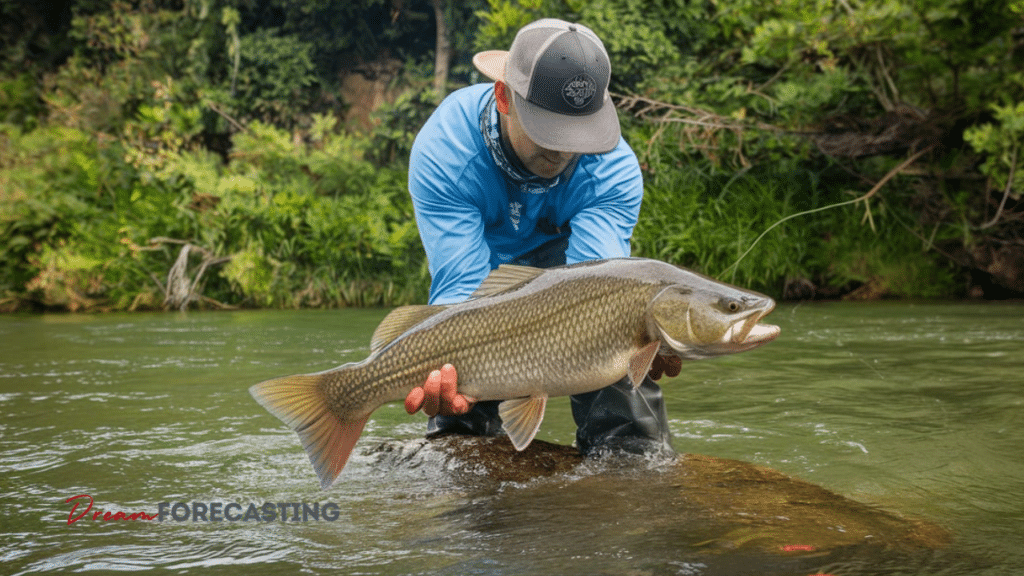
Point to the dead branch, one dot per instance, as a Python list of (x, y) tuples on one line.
[(1006, 193), (664, 112), (227, 117), (699, 125), (180, 290), (895, 171)]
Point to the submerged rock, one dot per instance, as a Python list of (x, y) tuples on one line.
[(707, 504), (767, 509)]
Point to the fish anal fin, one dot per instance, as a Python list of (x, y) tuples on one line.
[(521, 418), (299, 403), (506, 277), (399, 321), (640, 363)]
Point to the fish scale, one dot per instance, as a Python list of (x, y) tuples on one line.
[(528, 334), (464, 341)]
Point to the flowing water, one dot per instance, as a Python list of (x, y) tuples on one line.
[(917, 409)]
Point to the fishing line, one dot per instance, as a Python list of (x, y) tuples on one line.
[(780, 221), (863, 198)]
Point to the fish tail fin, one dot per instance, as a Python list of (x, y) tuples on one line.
[(299, 402)]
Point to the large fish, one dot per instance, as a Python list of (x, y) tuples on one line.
[(526, 334)]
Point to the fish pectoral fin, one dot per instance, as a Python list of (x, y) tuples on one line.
[(521, 418), (298, 402), (640, 363), (398, 322)]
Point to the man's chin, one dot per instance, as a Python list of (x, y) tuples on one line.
[(548, 171)]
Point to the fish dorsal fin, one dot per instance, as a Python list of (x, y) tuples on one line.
[(398, 321), (521, 418), (506, 277), (640, 363)]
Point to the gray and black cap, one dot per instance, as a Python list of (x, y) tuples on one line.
[(559, 72)]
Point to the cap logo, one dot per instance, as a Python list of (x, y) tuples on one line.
[(579, 90)]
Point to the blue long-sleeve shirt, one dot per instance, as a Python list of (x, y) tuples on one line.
[(472, 218)]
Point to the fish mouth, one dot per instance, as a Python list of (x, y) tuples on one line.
[(761, 334), (749, 332)]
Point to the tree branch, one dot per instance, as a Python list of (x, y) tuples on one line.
[(227, 117), (1006, 193)]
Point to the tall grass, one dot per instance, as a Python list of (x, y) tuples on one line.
[(706, 222), (712, 222)]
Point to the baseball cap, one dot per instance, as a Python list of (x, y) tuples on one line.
[(559, 73)]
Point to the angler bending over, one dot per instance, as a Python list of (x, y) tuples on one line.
[(531, 170)]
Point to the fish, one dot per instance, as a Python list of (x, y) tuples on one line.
[(525, 335)]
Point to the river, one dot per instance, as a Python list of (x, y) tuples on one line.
[(915, 408)]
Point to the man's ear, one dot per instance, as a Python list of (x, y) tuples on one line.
[(502, 95)]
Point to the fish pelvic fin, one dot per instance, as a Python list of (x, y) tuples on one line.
[(299, 403), (521, 418), (640, 363)]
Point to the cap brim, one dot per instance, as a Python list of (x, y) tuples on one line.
[(491, 63), (595, 133)]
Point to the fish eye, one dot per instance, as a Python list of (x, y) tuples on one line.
[(731, 305)]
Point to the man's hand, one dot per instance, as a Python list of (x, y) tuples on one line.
[(668, 365), (439, 395)]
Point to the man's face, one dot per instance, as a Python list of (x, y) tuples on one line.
[(540, 161)]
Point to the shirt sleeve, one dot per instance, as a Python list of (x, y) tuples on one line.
[(450, 223), (604, 226)]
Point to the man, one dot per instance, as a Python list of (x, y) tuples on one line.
[(531, 170)]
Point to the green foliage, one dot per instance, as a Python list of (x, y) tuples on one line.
[(705, 219), (800, 66), (305, 223), (140, 126), (1001, 142), (886, 262), (31, 215), (338, 34), (397, 123), (274, 77), (20, 104), (252, 274), (503, 18), (65, 200), (643, 36)]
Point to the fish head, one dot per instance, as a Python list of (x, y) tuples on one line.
[(707, 321)]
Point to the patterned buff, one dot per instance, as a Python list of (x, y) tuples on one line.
[(527, 181)]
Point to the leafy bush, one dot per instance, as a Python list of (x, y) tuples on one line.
[(294, 223), (1001, 141), (274, 78)]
